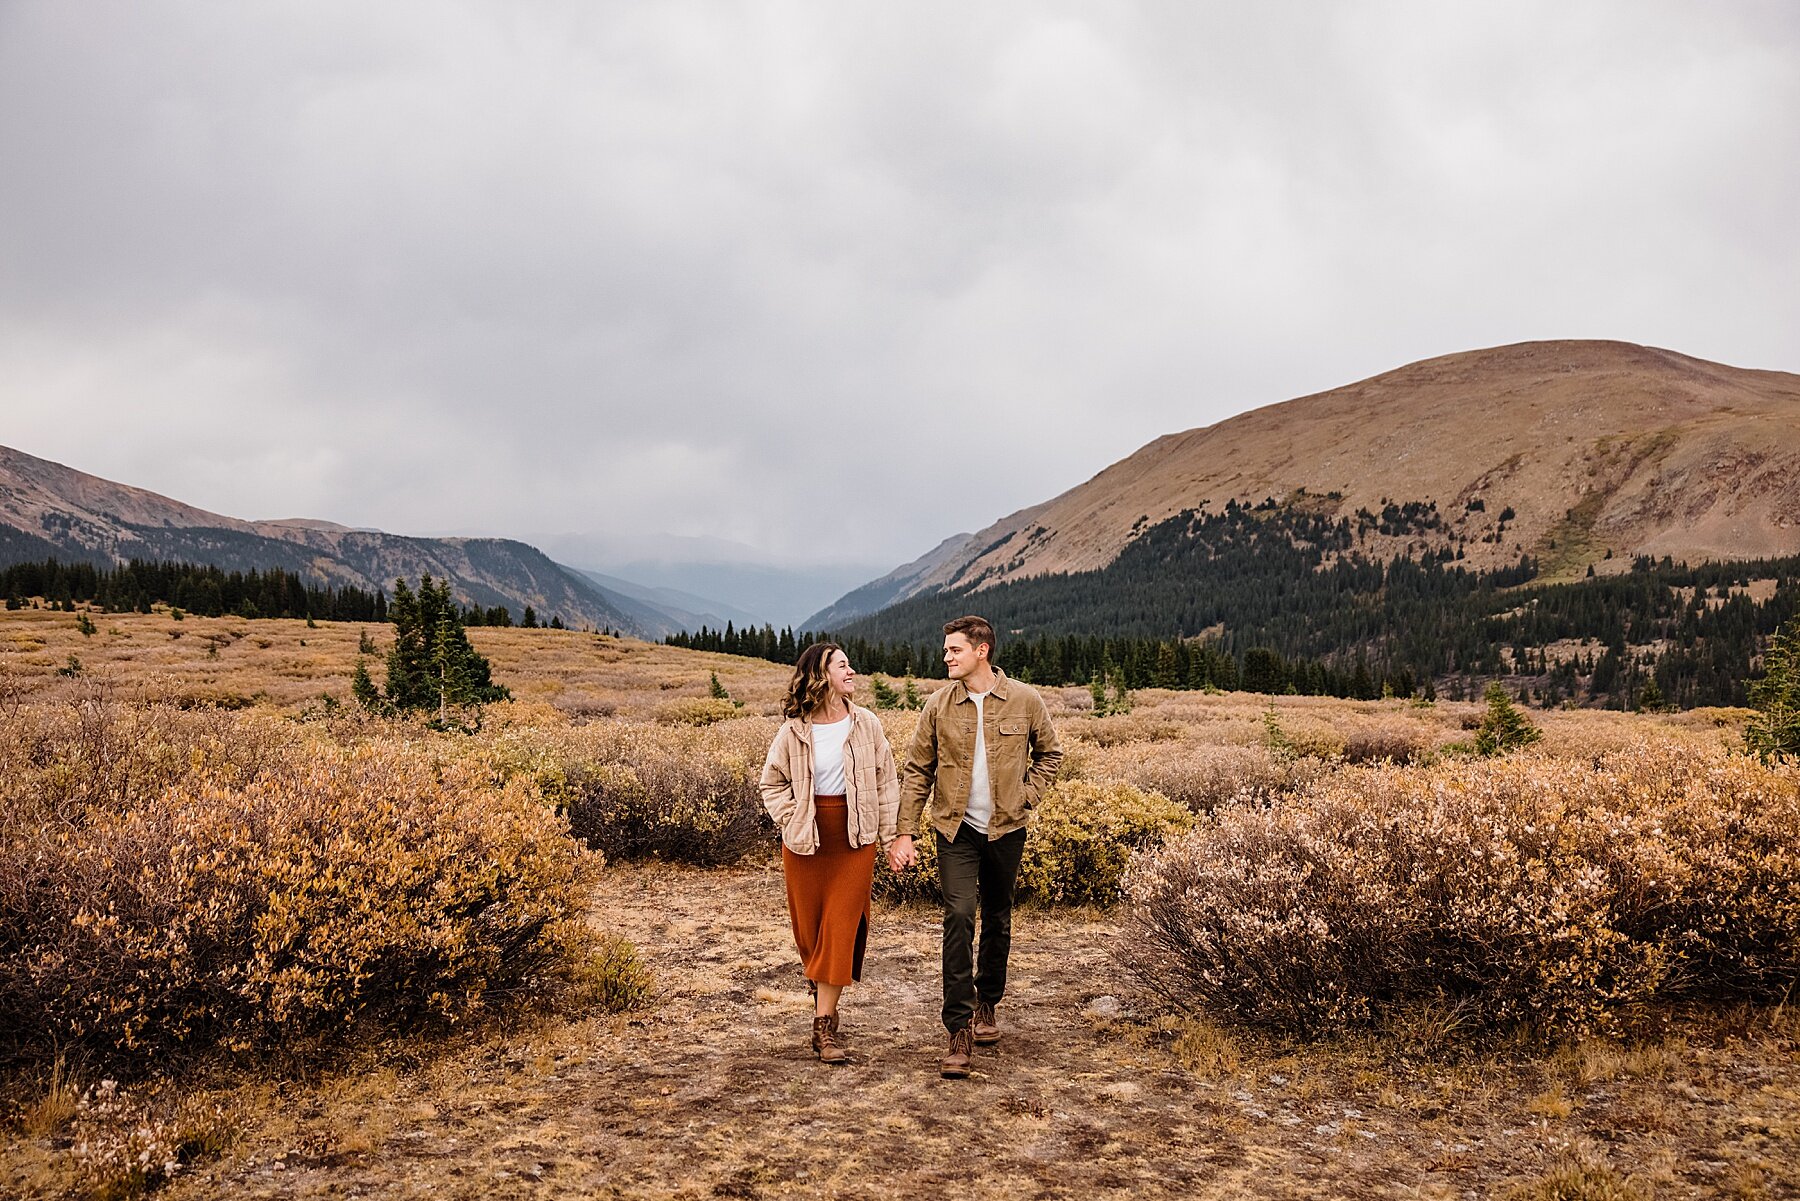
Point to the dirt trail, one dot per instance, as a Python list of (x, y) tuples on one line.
[(712, 1093)]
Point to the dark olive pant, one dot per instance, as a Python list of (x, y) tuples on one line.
[(976, 870)]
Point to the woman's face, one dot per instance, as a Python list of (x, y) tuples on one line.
[(841, 674)]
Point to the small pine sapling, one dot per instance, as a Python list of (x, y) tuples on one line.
[(1503, 728), (1774, 735)]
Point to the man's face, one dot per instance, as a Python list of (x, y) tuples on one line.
[(961, 656)]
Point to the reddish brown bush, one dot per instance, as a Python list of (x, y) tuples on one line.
[(1565, 893)]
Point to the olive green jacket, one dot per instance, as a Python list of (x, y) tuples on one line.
[(1023, 755)]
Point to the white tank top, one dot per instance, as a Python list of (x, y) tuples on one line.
[(828, 757)]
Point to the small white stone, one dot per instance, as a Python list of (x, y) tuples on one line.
[(1106, 1008)]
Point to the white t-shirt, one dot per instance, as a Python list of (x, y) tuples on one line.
[(828, 757), (981, 797)]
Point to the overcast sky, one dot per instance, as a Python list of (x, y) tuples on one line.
[(833, 280)]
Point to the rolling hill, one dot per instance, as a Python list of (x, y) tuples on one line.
[(1577, 453)]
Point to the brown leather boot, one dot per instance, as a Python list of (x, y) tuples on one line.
[(826, 1043), (984, 1027), (955, 1064)]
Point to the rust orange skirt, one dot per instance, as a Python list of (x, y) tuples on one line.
[(828, 897)]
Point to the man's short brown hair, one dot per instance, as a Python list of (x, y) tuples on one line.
[(975, 629)]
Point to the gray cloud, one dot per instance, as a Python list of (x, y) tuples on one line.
[(833, 281)]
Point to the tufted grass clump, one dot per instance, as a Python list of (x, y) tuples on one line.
[(1076, 854), (612, 975), (187, 894), (128, 1146), (1563, 894)]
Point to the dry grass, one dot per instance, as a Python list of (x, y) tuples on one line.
[(47, 1115), (711, 1091)]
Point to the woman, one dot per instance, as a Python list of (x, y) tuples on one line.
[(829, 783)]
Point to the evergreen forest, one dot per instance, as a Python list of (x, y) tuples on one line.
[(211, 592), (1276, 599)]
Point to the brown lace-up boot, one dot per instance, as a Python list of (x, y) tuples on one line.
[(826, 1043), (985, 1028), (955, 1064)]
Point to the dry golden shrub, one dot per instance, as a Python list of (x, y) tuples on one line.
[(192, 890), (640, 791), (1124, 728), (60, 761), (1390, 737), (697, 711), (1078, 849), (1561, 892), (1205, 777), (1085, 836)]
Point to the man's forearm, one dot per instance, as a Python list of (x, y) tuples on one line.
[(912, 805), (919, 773)]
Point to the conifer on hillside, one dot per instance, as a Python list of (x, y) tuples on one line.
[(431, 665), (1775, 733), (1503, 728)]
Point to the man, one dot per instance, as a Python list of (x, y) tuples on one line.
[(984, 751)]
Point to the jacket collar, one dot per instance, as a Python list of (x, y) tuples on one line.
[(960, 691), (802, 726)]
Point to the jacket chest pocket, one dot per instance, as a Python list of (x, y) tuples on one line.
[(1010, 746)]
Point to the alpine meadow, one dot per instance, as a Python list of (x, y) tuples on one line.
[(1010, 602)]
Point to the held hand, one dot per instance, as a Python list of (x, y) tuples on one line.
[(901, 853)]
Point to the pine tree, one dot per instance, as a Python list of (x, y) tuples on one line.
[(1650, 697), (409, 658), (885, 696), (1275, 738), (530, 621), (1165, 675), (1121, 699), (1774, 735), (431, 665), (362, 687), (1503, 728), (1097, 690), (911, 697)]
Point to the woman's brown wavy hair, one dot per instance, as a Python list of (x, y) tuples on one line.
[(809, 687)]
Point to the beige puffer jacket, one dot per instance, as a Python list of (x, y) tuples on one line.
[(869, 775)]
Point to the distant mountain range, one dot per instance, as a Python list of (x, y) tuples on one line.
[(48, 510), (1578, 454), (663, 606)]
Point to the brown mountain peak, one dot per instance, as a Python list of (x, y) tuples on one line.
[(1593, 445)]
